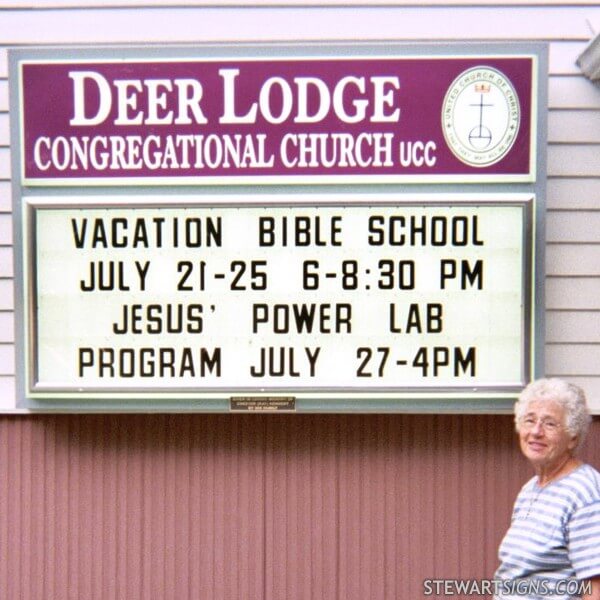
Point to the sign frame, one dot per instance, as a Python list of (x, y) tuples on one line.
[(531, 185)]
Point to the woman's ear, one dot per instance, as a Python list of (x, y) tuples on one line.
[(573, 442)]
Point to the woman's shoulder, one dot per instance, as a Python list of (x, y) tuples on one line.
[(583, 482), (586, 472), (529, 487), (585, 510)]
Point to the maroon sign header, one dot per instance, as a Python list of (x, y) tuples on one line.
[(278, 120)]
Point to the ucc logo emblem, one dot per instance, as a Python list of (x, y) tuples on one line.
[(480, 116)]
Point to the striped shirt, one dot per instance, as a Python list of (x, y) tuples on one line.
[(553, 542)]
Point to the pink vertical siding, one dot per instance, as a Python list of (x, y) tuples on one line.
[(277, 508)]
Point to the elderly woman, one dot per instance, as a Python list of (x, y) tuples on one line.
[(552, 548)]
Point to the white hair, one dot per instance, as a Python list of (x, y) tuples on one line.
[(567, 395)]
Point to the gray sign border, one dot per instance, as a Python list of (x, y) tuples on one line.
[(498, 401)]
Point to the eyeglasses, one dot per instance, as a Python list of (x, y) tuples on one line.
[(548, 425)]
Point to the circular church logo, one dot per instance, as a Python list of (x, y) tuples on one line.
[(480, 116)]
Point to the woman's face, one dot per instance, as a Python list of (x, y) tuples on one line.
[(543, 435)]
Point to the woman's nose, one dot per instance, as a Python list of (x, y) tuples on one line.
[(538, 427)]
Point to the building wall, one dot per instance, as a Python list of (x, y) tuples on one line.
[(221, 507), (284, 508)]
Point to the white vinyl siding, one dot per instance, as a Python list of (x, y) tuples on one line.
[(573, 199)]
